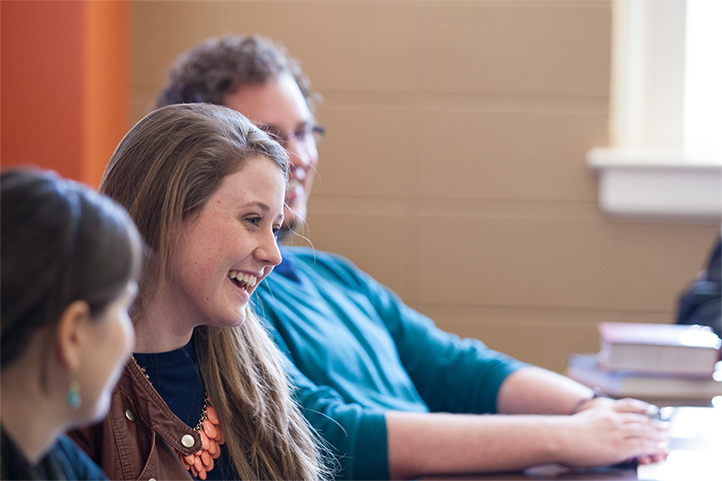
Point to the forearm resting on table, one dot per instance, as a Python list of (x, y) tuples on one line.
[(428, 443), (440, 443), (532, 390), (603, 432)]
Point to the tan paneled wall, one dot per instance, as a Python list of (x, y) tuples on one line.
[(454, 170)]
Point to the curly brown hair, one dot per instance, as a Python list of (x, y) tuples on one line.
[(220, 66)]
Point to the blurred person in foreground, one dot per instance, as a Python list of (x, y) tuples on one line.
[(70, 259), (395, 396)]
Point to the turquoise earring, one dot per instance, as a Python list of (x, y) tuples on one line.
[(74, 395)]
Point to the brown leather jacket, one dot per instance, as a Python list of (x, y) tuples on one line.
[(137, 437)]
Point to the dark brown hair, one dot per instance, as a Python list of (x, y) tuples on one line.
[(61, 242)]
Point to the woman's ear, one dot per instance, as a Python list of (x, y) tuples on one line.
[(71, 333)]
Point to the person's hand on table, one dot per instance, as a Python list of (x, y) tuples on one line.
[(624, 425)]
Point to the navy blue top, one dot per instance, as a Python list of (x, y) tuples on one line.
[(177, 378), (64, 460)]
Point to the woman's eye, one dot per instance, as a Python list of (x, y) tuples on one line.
[(277, 231), (254, 220)]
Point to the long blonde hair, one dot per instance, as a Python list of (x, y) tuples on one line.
[(163, 171)]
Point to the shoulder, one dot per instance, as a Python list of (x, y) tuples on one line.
[(329, 266), (307, 255)]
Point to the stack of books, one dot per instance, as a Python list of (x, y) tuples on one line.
[(652, 361)]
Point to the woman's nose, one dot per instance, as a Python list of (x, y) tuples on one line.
[(268, 251)]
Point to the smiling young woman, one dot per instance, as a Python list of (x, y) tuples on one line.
[(206, 190)]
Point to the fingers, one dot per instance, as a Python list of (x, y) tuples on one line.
[(638, 436), (652, 458), (660, 456), (651, 433), (629, 405), (644, 426), (648, 438), (618, 436), (648, 451)]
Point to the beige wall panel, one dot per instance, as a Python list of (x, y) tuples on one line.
[(142, 102), (572, 263), (342, 44), (506, 155), (356, 45), (559, 257), (366, 153), (459, 154), (372, 45), (161, 31), (501, 47), (544, 337), (544, 346)]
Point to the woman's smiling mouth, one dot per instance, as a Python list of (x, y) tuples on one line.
[(242, 280)]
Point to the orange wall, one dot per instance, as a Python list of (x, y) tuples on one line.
[(65, 84)]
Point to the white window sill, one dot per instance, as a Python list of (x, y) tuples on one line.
[(657, 186)]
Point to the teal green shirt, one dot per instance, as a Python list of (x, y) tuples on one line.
[(357, 351)]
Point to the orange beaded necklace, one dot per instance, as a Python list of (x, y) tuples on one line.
[(211, 433)]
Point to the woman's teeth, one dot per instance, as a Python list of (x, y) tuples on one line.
[(245, 281)]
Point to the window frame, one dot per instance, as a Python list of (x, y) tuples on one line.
[(645, 175)]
